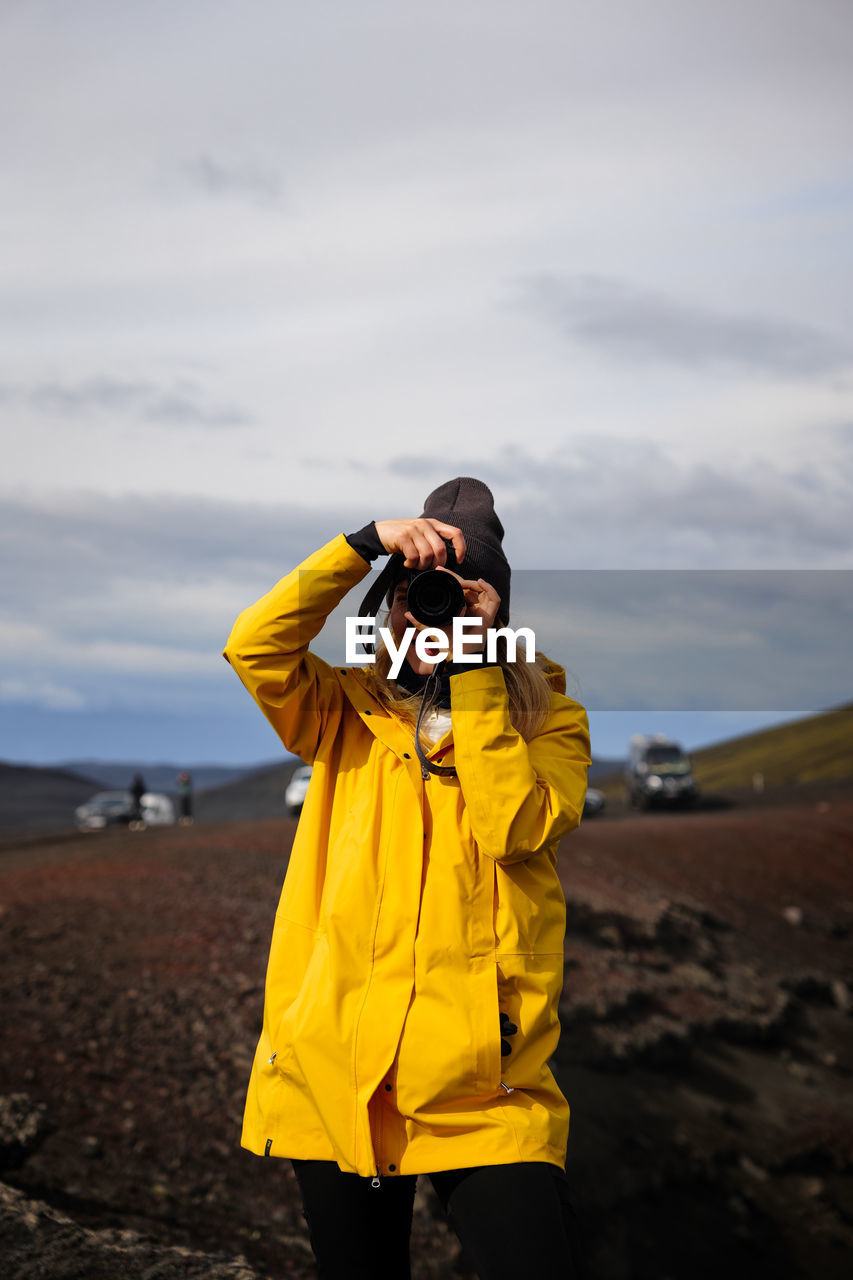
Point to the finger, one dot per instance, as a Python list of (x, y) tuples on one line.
[(418, 552), (469, 585), (426, 553), (412, 620), (438, 545), (482, 597), (479, 584), (409, 550), (490, 601), (452, 534)]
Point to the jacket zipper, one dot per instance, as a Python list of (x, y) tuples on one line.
[(376, 1181)]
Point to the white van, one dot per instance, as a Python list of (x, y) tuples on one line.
[(297, 789)]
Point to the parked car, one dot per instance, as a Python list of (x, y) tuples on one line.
[(659, 773), (297, 789), (593, 802), (115, 809)]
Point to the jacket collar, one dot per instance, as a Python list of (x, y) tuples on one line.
[(358, 685)]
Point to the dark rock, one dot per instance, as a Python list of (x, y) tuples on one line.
[(812, 988), (24, 1125), (38, 1241)]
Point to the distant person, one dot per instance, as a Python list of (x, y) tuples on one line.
[(137, 791), (422, 919), (185, 796)]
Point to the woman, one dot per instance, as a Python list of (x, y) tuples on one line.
[(421, 923)]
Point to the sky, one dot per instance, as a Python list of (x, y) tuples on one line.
[(273, 270)]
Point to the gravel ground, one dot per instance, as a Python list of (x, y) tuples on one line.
[(706, 1051)]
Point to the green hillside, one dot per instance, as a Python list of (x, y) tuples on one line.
[(816, 749)]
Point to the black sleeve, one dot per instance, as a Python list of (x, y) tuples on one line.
[(367, 542)]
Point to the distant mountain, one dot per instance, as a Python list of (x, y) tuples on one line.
[(162, 777), (31, 797), (814, 749), (34, 797), (256, 795), (600, 768)]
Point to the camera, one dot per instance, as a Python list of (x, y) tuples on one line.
[(435, 598)]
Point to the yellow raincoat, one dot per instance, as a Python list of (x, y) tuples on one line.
[(413, 910)]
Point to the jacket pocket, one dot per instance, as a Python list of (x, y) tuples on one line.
[(528, 991), (312, 993), (489, 1037), (297, 959)]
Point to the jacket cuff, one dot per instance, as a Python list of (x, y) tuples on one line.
[(366, 542)]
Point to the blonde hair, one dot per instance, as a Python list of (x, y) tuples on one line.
[(528, 690)]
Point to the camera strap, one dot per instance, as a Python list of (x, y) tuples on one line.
[(428, 698), (387, 579)]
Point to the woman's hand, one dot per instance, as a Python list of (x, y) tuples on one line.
[(421, 541)]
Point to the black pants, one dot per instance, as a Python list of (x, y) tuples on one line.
[(514, 1221)]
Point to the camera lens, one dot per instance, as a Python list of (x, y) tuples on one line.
[(434, 598)]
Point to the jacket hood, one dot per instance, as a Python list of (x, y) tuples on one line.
[(556, 676)]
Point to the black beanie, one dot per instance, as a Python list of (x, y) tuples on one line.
[(467, 504)]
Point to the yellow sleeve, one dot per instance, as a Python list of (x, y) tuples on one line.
[(298, 692), (520, 796)]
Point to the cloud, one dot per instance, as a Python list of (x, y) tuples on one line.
[(607, 502), (93, 394), (180, 404), (243, 177), (704, 640), (181, 409), (83, 569), (128, 602), (164, 535), (41, 693), (625, 321)]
